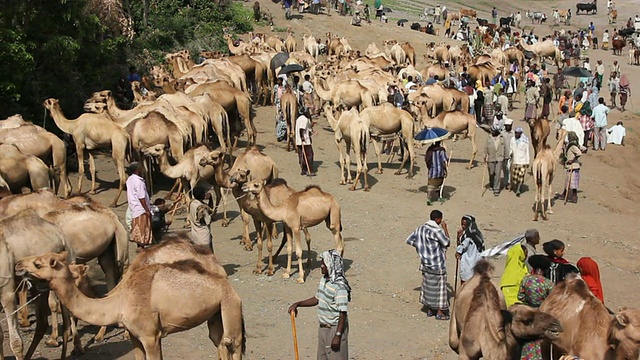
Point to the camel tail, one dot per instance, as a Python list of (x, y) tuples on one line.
[(121, 245), (244, 336)]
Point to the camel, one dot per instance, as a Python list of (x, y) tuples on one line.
[(254, 162), (241, 49), (350, 129), (290, 43), (92, 132), (147, 302), (36, 141), (18, 170), (543, 168), (349, 93), (372, 50), (480, 327), (590, 332), (180, 62), (544, 49), (387, 119), (289, 105), (311, 46), (484, 71), (515, 54), (301, 210), (410, 53), (22, 235), (456, 122), (540, 130)]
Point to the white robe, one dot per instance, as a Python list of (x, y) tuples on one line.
[(616, 134)]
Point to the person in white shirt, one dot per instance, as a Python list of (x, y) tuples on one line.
[(410, 86), (572, 124), (307, 98), (520, 158), (616, 134), (304, 130)]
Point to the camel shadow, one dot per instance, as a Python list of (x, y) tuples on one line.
[(230, 268), (296, 17), (108, 350), (447, 191)]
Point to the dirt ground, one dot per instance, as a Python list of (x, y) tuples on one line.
[(385, 317)]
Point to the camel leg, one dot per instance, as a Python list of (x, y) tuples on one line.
[(307, 238), (474, 146), (8, 300), (100, 335), (341, 152), (152, 347), (215, 330), (78, 349), (119, 160), (537, 200), (282, 243), (248, 244), (258, 225), (138, 349), (289, 235), (54, 305), (296, 237), (66, 330), (107, 263), (92, 171), (23, 314), (80, 153), (269, 234), (41, 322), (336, 229), (233, 324), (347, 163), (376, 148)]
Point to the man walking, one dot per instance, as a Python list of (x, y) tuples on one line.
[(519, 155), (304, 128), (431, 241), (436, 159), (332, 299), (599, 115), (507, 135), (494, 158), (139, 206), (494, 16), (532, 97)]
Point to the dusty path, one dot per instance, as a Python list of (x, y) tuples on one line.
[(385, 317)]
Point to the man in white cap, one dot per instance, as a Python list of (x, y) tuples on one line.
[(519, 155), (436, 14), (507, 134)]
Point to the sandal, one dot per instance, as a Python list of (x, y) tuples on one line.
[(442, 317), (430, 313)]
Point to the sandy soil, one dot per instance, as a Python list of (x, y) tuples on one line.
[(385, 317)]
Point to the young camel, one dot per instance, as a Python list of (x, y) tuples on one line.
[(145, 302), (456, 122), (290, 111), (543, 168), (350, 129), (19, 170), (301, 210), (92, 132), (590, 332), (540, 130)]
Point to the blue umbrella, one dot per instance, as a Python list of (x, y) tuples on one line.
[(431, 135)]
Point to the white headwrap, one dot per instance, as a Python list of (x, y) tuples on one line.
[(333, 261)]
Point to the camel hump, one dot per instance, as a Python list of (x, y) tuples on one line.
[(311, 187), (483, 267), (278, 182)]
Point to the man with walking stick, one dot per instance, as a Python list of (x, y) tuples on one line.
[(304, 130), (431, 241), (332, 299)]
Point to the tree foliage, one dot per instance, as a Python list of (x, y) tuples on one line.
[(68, 49)]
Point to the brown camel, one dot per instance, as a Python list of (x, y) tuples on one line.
[(409, 52), (147, 302), (350, 129), (456, 122), (18, 170), (34, 140), (590, 332), (481, 327), (290, 110), (540, 130), (260, 167), (387, 119), (22, 235), (543, 168), (301, 210), (92, 132)]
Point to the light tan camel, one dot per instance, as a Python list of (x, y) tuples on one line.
[(22, 235), (311, 46), (92, 132), (290, 43), (456, 122), (410, 53), (386, 119), (350, 129), (180, 62), (540, 130), (544, 49), (515, 54), (590, 332), (18, 170), (34, 140), (543, 168), (259, 165), (289, 104), (481, 327), (241, 49), (147, 303), (349, 93), (301, 210)]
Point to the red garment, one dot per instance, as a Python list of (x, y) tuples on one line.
[(591, 275), (559, 260)]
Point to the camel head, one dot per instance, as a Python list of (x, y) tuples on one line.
[(80, 275), (51, 103), (155, 150), (529, 323), (214, 158), (95, 107), (254, 187), (240, 177), (624, 333), (44, 267)]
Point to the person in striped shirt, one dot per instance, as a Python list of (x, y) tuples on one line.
[(436, 159), (332, 299)]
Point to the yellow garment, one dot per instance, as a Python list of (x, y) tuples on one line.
[(514, 271)]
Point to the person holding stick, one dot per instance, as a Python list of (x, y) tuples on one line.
[(470, 245), (332, 299), (436, 159), (570, 155), (304, 130), (431, 241)]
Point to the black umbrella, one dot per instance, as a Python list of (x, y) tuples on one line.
[(290, 68), (575, 71), (402, 21), (279, 59)]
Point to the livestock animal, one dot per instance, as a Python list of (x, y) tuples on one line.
[(589, 8)]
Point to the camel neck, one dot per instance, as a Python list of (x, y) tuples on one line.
[(115, 111), (101, 312), (221, 177), (272, 212), (66, 125)]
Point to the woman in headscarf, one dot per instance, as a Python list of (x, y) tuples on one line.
[(514, 271), (591, 275), (593, 97), (625, 90), (586, 121), (560, 266), (470, 245)]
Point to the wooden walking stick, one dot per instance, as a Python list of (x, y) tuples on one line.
[(295, 335), (566, 194), (304, 156), (445, 178), (484, 176), (455, 284)]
